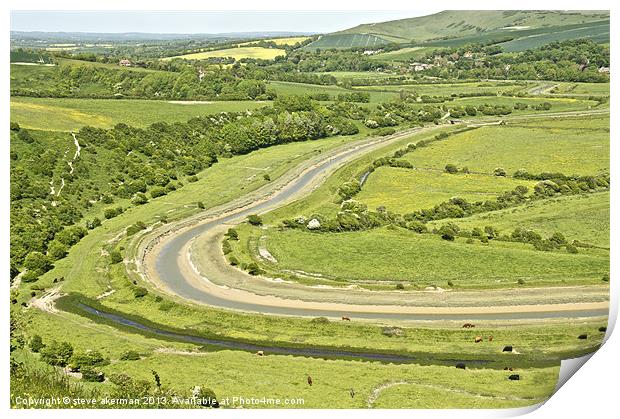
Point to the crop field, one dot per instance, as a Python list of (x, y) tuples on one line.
[(580, 217), (280, 41), (426, 260), (582, 149), (345, 41), (72, 114), (236, 53), (406, 190), (597, 32)]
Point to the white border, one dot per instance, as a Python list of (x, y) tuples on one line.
[(592, 392)]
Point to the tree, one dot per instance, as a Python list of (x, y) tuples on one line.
[(56, 250), (37, 262), (232, 234)]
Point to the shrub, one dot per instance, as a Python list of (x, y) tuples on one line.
[(192, 179), (36, 344), (200, 205), (255, 220), (206, 397), (267, 177), (499, 172), (134, 228), (226, 248), (91, 375), (400, 286), (14, 126), (449, 231), (88, 359), (130, 356), (571, 249), (139, 199), (157, 191), (94, 223), (112, 212), (605, 277), (253, 269), (451, 168), (232, 234), (521, 281), (320, 320), (139, 292), (233, 261), (57, 354), (115, 256)]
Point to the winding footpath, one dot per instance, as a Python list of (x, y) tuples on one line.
[(165, 259)]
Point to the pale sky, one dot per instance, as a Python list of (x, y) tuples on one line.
[(201, 21)]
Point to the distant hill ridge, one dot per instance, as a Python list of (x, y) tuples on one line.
[(467, 22)]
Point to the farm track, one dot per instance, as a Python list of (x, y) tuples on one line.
[(163, 259)]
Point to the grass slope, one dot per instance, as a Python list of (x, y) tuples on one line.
[(236, 53), (71, 114)]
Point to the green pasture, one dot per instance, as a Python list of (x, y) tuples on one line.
[(406, 190), (578, 146), (425, 259), (71, 114), (579, 217)]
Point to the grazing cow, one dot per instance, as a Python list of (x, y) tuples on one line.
[(478, 339), (346, 318), (491, 338), (260, 353), (507, 348), (460, 365), (507, 368), (310, 381), (468, 325), (584, 336), (514, 377), (602, 329)]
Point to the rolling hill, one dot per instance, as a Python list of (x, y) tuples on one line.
[(459, 27)]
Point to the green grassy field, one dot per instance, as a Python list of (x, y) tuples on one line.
[(403, 54), (597, 32), (425, 259), (406, 190), (597, 89), (290, 88), (580, 147), (237, 53), (72, 114), (447, 89), (580, 217)]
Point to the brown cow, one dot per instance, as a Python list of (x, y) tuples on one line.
[(491, 338), (310, 381), (346, 318), (478, 339), (468, 325)]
